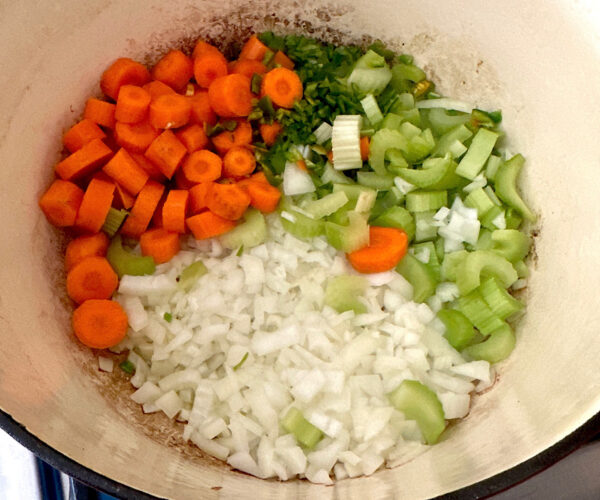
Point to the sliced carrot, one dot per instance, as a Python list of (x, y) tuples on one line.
[(364, 148), (193, 137), (238, 162), (201, 110), (91, 278), (122, 198), (174, 68), (263, 196), (248, 67), (156, 220), (208, 67), (135, 137), (143, 209), (100, 112), (156, 88), (227, 200), (123, 71), (151, 169), (253, 49), (95, 205), (230, 95), (202, 166), (166, 152), (181, 181), (81, 133), (201, 48), (124, 170), (89, 245), (175, 210), (269, 132), (207, 225), (132, 104), (84, 161), (387, 245), (302, 165), (170, 111), (100, 324), (330, 156), (259, 177), (159, 243), (282, 60), (61, 202), (282, 86), (197, 198), (241, 136)]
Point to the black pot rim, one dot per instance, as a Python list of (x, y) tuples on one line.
[(481, 489)]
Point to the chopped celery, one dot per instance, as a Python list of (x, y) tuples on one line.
[(478, 153), (419, 276), (114, 220), (433, 263), (300, 225), (342, 294), (345, 142), (370, 59), (488, 219), (423, 201), (418, 402), (191, 274), (506, 186), (445, 142), (441, 122), (484, 242), (374, 181), (305, 433), (450, 179), (365, 202), (479, 200), (513, 245), (409, 130), (327, 205), (351, 237), (491, 167), (479, 313), (404, 102), (390, 199), (353, 192), (396, 160), (408, 72), (451, 263), (459, 330), (252, 232), (371, 108), (492, 194), (124, 262), (394, 120), (497, 347), (322, 133), (434, 170), (381, 141), (522, 269), (397, 217), (370, 81), (332, 175), (424, 226), (513, 219), (502, 303), (483, 263)]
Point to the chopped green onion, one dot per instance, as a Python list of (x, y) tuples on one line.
[(497, 347), (114, 220), (371, 108), (478, 153), (240, 251), (305, 433), (419, 276), (127, 366), (124, 262), (342, 294), (459, 330), (506, 186), (191, 274), (239, 365), (168, 317), (268, 57), (255, 83)]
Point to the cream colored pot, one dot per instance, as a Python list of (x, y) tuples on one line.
[(538, 60)]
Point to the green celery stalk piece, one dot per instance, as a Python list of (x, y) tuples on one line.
[(381, 141), (479, 151), (425, 230), (397, 217), (451, 263), (332, 175), (484, 242), (302, 227), (432, 172), (419, 276), (342, 293), (351, 237), (479, 200), (512, 244), (424, 201), (124, 262), (476, 309), (434, 262), (252, 232), (445, 142), (459, 330), (496, 347), (506, 186), (305, 433), (522, 269), (191, 274), (327, 204), (418, 402), (502, 303), (441, 122), (374, 181), (483, 263)]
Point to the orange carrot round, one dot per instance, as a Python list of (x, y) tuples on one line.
[(282, 60), (100, 112), (83, 161), (174, 68), (89, 245), (170, 111), (81, 133), (166, 152), (201, 48), (248, 67), (387, 245), (364, 148), (238, 161), (197, 198), (135, 137), (193, 137), (100, 324), (282, 86), (60, 203), (253, 49), (208, 67), (208, 224), (95, 205), (269, 132), (143, 209), (91, 278), (230, 95), (174, 210), (156, 88), (181, 181), (227, 200), (132, 104), (123, 199), (241, 136), (123, 71), (201, 110), (150, 168), (202, 166), (159, 243), (124, 170), (263, 196)]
